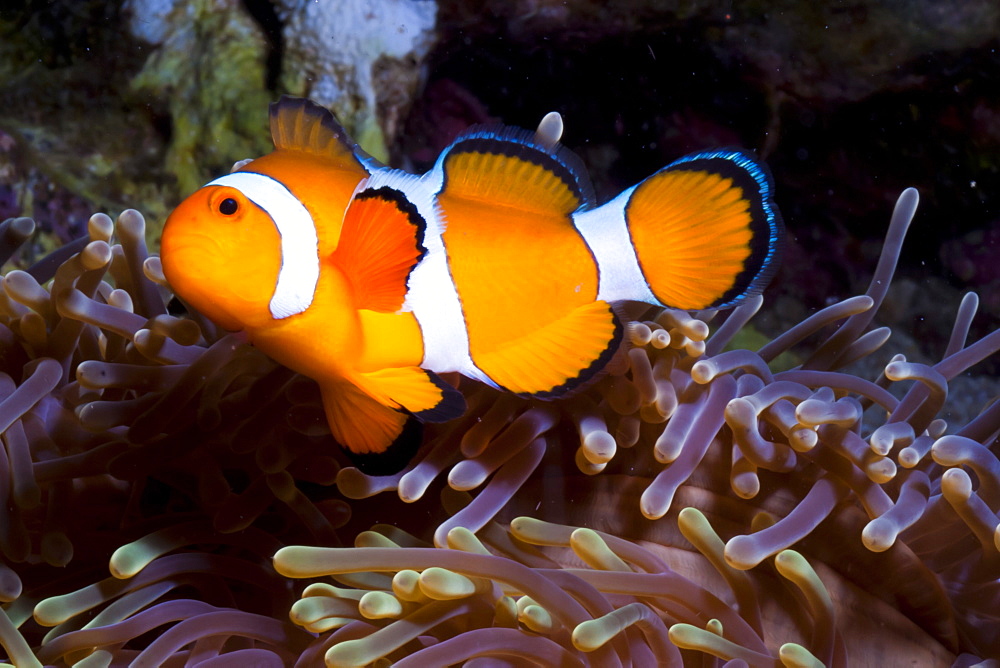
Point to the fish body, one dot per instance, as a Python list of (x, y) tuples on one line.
[(497, 264)]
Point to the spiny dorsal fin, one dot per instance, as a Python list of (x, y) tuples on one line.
[(380, 244), (511, 167), (299, 124)]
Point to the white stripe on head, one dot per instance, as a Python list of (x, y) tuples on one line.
[(299, 273), (606, 232)]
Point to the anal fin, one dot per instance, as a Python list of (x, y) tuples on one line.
[(557, 358), (418, 391), (376, 415)]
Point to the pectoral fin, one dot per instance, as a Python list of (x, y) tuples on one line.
[(380, 244)]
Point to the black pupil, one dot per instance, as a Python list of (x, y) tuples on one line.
[(227, 207)]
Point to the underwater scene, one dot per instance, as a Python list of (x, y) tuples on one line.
[(509, 333)]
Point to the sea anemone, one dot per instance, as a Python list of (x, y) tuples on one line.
[(696, 501), (867, 488)]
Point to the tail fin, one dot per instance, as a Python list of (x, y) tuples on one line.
[(703, 232)]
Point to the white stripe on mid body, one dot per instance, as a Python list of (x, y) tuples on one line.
[(296, 285), (431, 295), (606, 233)]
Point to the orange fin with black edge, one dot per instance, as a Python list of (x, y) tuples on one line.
[(358, 421), (380, 243), (560, 357), (368, 413), (509, 167), (705, 230), (420, 392), (299, 124), (395, 457)]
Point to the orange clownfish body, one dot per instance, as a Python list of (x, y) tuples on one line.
[(496, 264)]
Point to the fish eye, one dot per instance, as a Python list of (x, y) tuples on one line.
[(228, 206)]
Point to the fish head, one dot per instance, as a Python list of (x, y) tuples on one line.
[(221, 254)]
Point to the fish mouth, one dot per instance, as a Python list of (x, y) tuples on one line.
[(202, 249)]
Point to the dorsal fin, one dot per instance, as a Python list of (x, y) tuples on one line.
[(299, 124), (380, 244), (510, 167)]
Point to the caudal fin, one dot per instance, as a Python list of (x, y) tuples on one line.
[(703, 232)]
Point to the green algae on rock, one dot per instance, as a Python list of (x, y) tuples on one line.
[(210, 71)]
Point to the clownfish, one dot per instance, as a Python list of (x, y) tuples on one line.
[(497, 264)]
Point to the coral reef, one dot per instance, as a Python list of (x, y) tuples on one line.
[(172, 497), (361, 60)]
